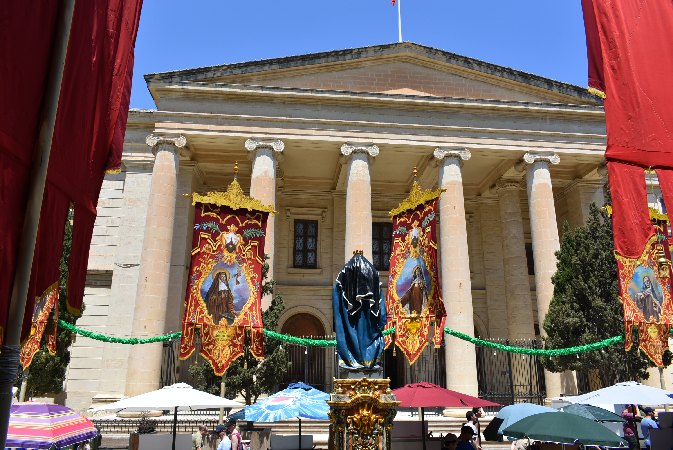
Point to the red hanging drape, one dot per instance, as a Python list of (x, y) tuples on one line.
[(629, 45), (88, 134)]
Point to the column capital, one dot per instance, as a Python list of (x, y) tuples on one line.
[(177, 144), (371, 150), (541, 156), (253, 144), (459, 153), (602, 170), (507, 184)]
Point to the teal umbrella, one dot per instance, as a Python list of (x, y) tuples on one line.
[(592, 412), (563, 428)]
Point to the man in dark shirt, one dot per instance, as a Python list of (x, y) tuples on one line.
[(630, 428), (465, 438)]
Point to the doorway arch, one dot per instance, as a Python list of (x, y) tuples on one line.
[(308, 363)]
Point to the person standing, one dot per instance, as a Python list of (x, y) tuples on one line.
[(450, 442), (234, 435), (197, 438), (478, 414), (472, 423), (647, 424), (225, 442), (631, 416)]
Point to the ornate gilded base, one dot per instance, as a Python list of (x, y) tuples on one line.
[(361, 414)]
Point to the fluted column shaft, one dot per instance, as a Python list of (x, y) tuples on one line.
[(544, 233), (358, 199), (521, 324), (461, 367), (263, 188), (144, 365)]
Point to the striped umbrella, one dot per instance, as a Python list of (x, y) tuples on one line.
[(46, 426)]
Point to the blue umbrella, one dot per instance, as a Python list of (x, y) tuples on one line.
[(298, 401), (512, 414)]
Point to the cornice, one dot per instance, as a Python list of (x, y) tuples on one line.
[(244, 92)]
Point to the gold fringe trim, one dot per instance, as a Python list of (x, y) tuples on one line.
[(234, 198), (416, 197), (113, 171), (654, 213), (643, 256), (596, 92)]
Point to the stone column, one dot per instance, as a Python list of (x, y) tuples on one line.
[(358, 199), (494, 268), (545, 237), (521, 324), (144, 364), (461, 367), (263, 188)]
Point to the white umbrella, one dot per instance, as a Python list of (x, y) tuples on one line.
[(176, 397), (628, 393)]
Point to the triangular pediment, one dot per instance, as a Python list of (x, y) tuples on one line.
[(396, 69)]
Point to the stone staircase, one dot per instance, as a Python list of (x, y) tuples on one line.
[(436, 424)]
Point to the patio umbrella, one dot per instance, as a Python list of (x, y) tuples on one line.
[(176, 397), (628, 392), (592, 412), (43, 425), (298, 401), (509, 415), (427, 395), (563, 428)]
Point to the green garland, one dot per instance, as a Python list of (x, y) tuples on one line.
[(331, 342), (537, 351), (118, 340)]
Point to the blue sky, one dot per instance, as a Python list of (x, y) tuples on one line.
[(543, 37)]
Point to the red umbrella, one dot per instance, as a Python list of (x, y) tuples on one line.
[(428, 395)]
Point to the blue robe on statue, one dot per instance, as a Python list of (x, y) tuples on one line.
[(359, 315)]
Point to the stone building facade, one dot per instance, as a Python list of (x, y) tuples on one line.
[(331, 140)]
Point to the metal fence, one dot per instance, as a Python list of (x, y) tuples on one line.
[(312, 365), (509, 378)]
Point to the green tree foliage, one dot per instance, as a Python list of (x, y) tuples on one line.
[(248, 376), (586, 306), (47, 372)]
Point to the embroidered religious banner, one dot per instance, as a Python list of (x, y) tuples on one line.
[(642, 249), (625, 40), (41, 313), (414, 300), (225, 279)]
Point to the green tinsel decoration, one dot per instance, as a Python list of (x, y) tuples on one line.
[(118, 340), (331, 342), (537, 351)]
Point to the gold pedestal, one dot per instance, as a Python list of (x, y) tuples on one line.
[(361, 414)]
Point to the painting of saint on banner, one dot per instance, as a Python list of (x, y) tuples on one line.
[(225, 280), (414, 300), (645, 286)]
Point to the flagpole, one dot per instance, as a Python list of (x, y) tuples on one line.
[(399, 20), (9, 356)]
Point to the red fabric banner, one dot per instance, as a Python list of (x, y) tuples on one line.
[(225, 281), (629, 43), (40, 320), (629, 46), (87, 139), (414, 299)]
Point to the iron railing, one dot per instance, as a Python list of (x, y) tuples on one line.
[(509, 378)]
